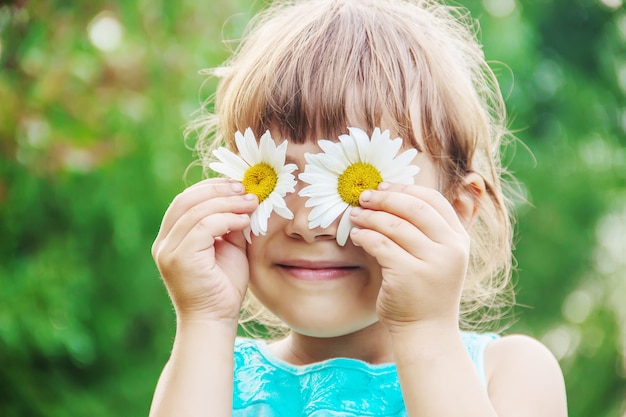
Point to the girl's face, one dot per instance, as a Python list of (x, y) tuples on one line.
[(305, 278)]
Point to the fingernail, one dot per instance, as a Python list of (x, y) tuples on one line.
[(366, 195), (355, 211), (236, 187), (353, 232), (384, 186), (249, 197)]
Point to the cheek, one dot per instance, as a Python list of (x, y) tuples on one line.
[(258, 267), (252, 254), (428, 176), (374, 271)]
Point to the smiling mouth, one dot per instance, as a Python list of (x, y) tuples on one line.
[(319, 272)]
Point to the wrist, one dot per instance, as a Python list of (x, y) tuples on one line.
[(199, 324), (202, 314), (433, 328), (425, 338)]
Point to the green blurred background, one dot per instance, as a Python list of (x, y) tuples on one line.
[(93, 99)]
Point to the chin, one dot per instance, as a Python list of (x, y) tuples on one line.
[(329, 329)]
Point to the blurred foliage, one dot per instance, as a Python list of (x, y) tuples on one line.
[(93, 99)]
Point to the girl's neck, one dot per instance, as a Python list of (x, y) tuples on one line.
[(371, 345)]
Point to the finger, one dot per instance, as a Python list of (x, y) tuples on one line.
[(237, 239), (423, 207), (434, 198), (209, 181), (204, 212), (203, 235), (400, 231), (388, 253), (194, 195)]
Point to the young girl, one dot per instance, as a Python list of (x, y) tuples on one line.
[(378, 259)]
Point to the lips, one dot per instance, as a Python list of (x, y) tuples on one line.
[(311, 270)]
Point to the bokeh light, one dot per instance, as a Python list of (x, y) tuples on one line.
[(105, 31)]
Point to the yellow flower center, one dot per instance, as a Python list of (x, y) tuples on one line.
[(356, 179), (260, 179)]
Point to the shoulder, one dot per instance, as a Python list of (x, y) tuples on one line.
[(510, 352), (524, 378)]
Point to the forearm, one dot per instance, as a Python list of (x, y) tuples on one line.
[(198, 378), (437, 375)]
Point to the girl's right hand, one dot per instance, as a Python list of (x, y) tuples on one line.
[(201, 250)]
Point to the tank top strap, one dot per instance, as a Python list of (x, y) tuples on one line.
[(476, 344)]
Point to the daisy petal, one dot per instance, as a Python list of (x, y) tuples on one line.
[(362, 142), (226, 170), (280, 155), (325, 215), (343, 230), (406, 157), (318, 189), (350, 149), (284, 212), (328, 146), (254, 223), (332, 214), (246, 234), (384, 157), (404, 176), (229, 158), (401, 167), (267, 148), (248, 148)]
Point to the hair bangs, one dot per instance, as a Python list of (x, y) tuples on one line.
[(315, 88)]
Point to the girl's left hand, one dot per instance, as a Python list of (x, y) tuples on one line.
[(423, 249)]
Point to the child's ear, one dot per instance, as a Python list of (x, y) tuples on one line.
[(469, 195)]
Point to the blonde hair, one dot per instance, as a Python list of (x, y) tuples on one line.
[(303, 65)]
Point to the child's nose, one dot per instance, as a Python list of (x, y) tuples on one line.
[(298, 227)]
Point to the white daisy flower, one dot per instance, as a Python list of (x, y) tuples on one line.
[(262, 171), (345, 169)]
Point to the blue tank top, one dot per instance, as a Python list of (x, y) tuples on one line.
[(267, 386)]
